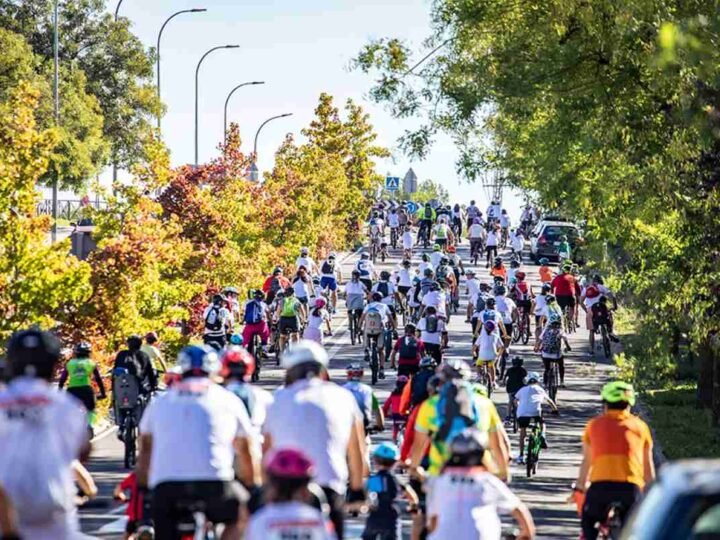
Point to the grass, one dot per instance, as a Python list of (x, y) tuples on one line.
[(682, 430)]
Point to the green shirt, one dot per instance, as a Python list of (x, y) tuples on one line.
[(289, 307), (80, 371)]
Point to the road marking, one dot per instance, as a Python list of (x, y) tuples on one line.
[(104, 434)]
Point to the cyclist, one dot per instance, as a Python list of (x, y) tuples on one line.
[(407, 242), (394, 224), (564, 251), (375, 231), (79, 373), (366, 269), (318, 322), (540, 308), (388, 293), (464, 500), (546, 273), (331, 432), (550, 347), (487, 349), (499, 270), (433, 427), (425, 265), (479, 306), (443, 235), (504, 226), (331, 275), (472, 285), (473, 212), (591, 297), (477, 235), (274, 284), (437, 298), (529, 401), (375, 319), (307, 261), (393, 407), (436, 255), (355, 294), (566, 290), (288, 313), (491, 314), (514, 379), (203, 419), (403, 217), (384, 488), (303, 285), (517, 244), (42, 434), (409, 350), (491, 245), (526, 218), (431, 328), (617, 459), (404, 280), (372, 413), (425, 217), (218, 322), (287, 513), (514, 269), (255, 316), (507, 309), (137, 363), (151, 349), (232, 300)]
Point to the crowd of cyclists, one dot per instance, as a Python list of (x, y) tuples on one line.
[(218, 453)]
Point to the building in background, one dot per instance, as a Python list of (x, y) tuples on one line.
[(410, 182)]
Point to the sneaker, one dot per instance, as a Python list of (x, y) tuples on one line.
[(614, 338), (381, 375), (520, 460), (543, 443)]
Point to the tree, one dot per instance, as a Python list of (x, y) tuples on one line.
[(428, 190), (39, 283)]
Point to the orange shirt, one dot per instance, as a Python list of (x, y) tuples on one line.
[(546, 274), (617, 441), (502, 272)]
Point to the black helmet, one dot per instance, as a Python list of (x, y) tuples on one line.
[(433, 384), (490, 302), (410, 328), (455, 369), (356, 273), (497, 261), (444, 260), (289, 291), (517, 361), (468, 448), (500, 290), (83, 349), (484, 286), (377, 297), (406, 263), (32, 353), (428, 272), (218, 299), (134, 342), (546, 287), (384, 275), (277, 270), (258, 294)]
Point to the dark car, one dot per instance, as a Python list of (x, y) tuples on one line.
[(545, 239)]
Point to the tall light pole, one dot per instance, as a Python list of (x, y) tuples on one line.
[(228, 101), (254, 173), (56, 99), (197, 78), (162, 28), (117, 9)]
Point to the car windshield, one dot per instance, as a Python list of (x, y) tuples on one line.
[(554, 232), (690, 517)]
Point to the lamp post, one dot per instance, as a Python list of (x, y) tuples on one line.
[(197, 75), (117, 9), (162, 28), (228, 101), (254, 172), (56, 99)]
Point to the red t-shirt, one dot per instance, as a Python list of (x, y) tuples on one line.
[(284, 283), (420, 351), (135, 504), (565, 285)]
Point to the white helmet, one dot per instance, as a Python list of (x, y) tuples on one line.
[(304, 351), (304, 251), (532, 376)]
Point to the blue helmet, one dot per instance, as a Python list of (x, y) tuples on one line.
[(198, 359), (387, 451), (236, 339)]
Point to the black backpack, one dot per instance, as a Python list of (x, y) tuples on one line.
[(418, 388), (213, 321), (275, 286), (431, 324), (408, 347), (428, 213), (327, 268), (480, 302), (383, 288)]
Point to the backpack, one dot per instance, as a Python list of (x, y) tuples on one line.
[(275, 286), (521, 291), (327, 268), (242, 391), (288, 307), (431, 324), (383, 288), (442, 272), (425, 285), (428, 213), (456, 410), (408, 347), (551, 341), (480, 303), (418, 386), (489, 315), (213, 321), (253, 313), (373, 322)]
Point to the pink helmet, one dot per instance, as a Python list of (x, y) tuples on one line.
[(490, 326), (320, 303), (402, 380), (289, 463)]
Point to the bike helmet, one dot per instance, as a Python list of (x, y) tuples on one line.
[(436, 247), (289, 463), (427, 362), (236, 339), (151, 337), (469, 272), (544, 261), (355, 273), (514, 263), (384, 275), (304, 251), (497, 262), (237, 362), (425, 257), (364, 255), (410, 328), (455, 369), (145, 532), (386, 451), (428, 272), (406, 263), (546, 288), (316, 280), (555, 319), (490, 302), (597, 278), (550, 298), (172, 375), (433, 385), (468, 443), (618, 391), (490, 326), (83, 349), (354, 372), (303, 352), (485, 287), (218, 299), (532, 377), (500, 290), (451, 249), (520, 276), (277, 271), (258, 294), (33, 353), (134, 342), (320, 303), (229, 290), (444, 260), (198, 360), (332, 256), (377, 297), (517, 361)]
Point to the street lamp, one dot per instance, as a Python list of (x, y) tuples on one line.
[(197, 74), (117, 9), (254, 172), (56, 99), (162, 28), (228, 101)]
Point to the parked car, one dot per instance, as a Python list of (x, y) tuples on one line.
[(683, 504), (545, 239)]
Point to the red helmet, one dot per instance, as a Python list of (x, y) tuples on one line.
[(237, 362), (289, 463), (592, 292), (451, 249), (520, 275)]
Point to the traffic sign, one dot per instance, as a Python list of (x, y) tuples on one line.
[(392, 183), (412, 207)]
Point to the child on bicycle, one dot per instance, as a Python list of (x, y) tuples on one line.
[(384, 489), (529, 401), (550, 347), (487, 348), (134, 510), (392, 408), (514, 379)]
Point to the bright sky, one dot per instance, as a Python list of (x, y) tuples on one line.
[(300, 49)]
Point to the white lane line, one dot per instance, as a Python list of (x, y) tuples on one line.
[(104, 434), (116, 526)]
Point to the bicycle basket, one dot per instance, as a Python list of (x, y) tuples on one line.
[(126, 390)]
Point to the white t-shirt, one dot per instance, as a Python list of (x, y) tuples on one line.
[(407, 240), (382, 308), (436, 299), (476, 231), (307, 262), (473, 287), (530, 399), (504, 221), (34, 413), (405, 277), (492, 239), (423, 266), (318, 417), (388, 300), (488, 345), (316, 321), (518, 242), (435, 258), (355, 287), (431, 337), (193, 426), (363, 395), (541, 305), (393, 221), (365, 267), (466, 505), (506, 307), (278, 521), (302, 288)]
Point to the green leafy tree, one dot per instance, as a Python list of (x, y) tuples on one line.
[(427, 190)]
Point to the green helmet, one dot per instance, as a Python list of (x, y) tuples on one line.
[(616, 391)]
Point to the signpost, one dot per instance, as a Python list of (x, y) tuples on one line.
[(392, 183)]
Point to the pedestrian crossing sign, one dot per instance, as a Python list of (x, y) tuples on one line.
[(392, 183)]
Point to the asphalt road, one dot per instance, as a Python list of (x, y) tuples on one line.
[(545, 493)]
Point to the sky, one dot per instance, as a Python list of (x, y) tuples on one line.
[(300, 48)]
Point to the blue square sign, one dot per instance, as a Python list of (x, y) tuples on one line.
[(392, 183)]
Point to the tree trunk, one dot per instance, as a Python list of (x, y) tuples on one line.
[(707, 375), (714, 347)]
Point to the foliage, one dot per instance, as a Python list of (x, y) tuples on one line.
[(39, 283), (427, 190), (607, 111)]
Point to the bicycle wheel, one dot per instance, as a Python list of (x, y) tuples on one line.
[(526, 329), (130, 442), (257, 352), (552, 381), (374, 364), (530, 459), (606, 341), (516, 333), (514, 419)]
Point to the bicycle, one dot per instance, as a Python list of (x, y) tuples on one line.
[(393, 237), (424, 236), (128, 404), (604, 336), (504, 237), (484, 378), (374, 360), (257, 351), (611, 527), (532, 448), (569, 320), (521, 328), (354, 326), (191, 522), (553, 380)]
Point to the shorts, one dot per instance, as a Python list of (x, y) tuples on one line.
[(328, 283), (303, 300), (408, 369), (508, 329), (524, 304), (220, 340), (566, 301), (442, 242), (221, 499), (434, 350), (367, 282), (403, 290), (85, 394), (131, 527), (375, 338), (479, 362), (525, 421), (289, 325), (599, 497)]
